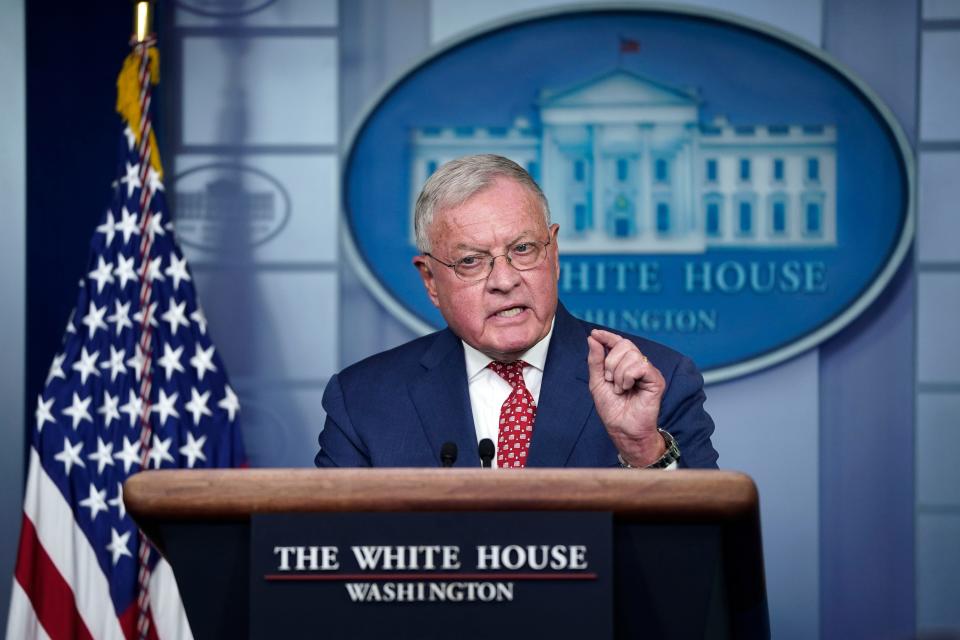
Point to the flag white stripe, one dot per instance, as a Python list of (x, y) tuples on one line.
[(22, 619), (168, 613), (70, 552)]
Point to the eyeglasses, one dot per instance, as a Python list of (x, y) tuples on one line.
[(475, 267)]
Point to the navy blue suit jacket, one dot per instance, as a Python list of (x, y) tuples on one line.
[(397, 408)]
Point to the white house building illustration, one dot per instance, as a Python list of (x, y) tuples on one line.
[(628, 167)]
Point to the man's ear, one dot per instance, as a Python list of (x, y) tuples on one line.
[(429, 281)]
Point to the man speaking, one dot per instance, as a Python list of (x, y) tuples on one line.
[(512, 366)]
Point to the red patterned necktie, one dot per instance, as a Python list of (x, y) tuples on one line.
[(516, 416)]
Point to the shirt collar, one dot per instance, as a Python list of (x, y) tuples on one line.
[(535, 356)]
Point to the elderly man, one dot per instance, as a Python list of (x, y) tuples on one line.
[(513, 365)]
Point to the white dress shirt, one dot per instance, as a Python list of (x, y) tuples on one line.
[(488, 391)]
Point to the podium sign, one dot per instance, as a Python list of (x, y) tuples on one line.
[(463, 575)]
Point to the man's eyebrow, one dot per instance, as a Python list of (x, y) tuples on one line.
[(468, 247)]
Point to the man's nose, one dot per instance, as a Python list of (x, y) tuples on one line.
[(503, 276)]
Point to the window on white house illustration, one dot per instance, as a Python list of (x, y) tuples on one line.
[(813, 169), (579, 170), (663, 218), (661, 170), (623, 169), (622, 218), (745, 217), (621, 227), (778, 169), (745, 169), (778, 215), (713, 218), (711, 170), (431, 167), (581, 218), (813, 223)]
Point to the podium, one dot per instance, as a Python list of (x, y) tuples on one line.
[(687, 552)]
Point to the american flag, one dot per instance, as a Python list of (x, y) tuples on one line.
[(629, 45), (137, 384)]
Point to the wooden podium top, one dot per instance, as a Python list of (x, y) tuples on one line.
[(217, 494)]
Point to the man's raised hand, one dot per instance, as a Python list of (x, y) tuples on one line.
[(626, 390)]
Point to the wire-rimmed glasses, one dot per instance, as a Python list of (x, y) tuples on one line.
[(522, 256)]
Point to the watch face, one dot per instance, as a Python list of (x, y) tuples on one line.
[(671, 455)]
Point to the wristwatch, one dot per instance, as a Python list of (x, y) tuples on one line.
[(671, 455)]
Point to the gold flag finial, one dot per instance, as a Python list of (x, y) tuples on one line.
[(142, 21)]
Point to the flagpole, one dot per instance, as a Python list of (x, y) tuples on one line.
[(141, 40)]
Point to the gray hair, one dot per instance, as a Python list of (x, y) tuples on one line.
[(459, 180)]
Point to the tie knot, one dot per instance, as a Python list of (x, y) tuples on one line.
[(512, 372)]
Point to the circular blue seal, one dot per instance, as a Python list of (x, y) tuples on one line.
[(720, 186)]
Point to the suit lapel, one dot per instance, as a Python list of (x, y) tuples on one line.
[(442, 400), (565, 400)]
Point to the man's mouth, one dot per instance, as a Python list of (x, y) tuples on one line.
[(509, 313)]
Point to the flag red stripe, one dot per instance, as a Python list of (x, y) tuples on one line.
[(128, 622), (49, 593)]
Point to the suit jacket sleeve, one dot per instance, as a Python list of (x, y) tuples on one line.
[(683, 416), (340, 445)]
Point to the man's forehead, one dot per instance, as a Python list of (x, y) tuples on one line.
[(479, 231), (505, 211)]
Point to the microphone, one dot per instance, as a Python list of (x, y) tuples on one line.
[(487, 451), (448, 454)]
